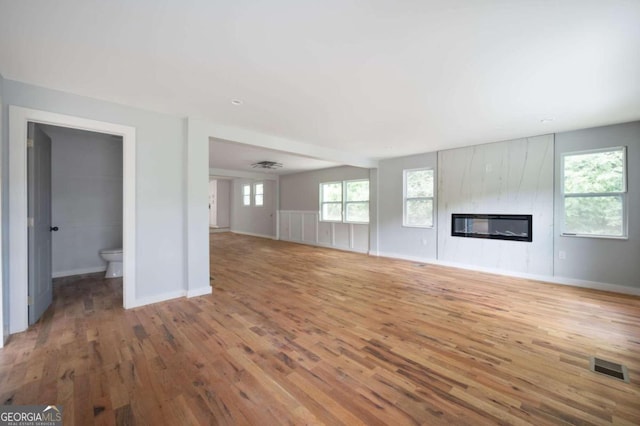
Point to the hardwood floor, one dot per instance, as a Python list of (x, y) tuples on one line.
[(296, 334)]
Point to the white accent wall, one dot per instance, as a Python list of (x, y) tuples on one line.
[(511, 177), (298, 217), (86, 189)]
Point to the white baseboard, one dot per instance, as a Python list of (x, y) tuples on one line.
[(199, 291), (252, 234), (616, 288), (80, 271), (218, 230), (157, 298)]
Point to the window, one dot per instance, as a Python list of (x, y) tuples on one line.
[(594, 190), (418, 198), (259, 194), (356, 203), (331, 202), (353, 207), (246, 195)]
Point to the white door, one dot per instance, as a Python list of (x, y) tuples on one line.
[(39, 212)]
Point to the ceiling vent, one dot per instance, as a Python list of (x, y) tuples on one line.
[(271, 165)]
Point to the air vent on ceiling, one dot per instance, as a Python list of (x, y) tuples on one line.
[(608, 368)]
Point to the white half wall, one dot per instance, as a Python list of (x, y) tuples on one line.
[(304, 227)]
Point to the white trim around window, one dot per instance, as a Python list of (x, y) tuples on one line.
[(594, 196), (246, 194), (332, 210), (356, 202), (416, 198), (258, 194)]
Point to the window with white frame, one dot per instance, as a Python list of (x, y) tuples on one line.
[(418, 198), (346, 201), (246, 194), (594, 188), (331, 202), (356, 201), (258, 191)]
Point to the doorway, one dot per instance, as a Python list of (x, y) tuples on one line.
[(18, 238), (84, 205)]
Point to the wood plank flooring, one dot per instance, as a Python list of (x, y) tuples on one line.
[(295, 334)]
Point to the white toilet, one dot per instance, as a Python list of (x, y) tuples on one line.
[(114, 262)]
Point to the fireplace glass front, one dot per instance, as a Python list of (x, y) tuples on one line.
[(516, 227)]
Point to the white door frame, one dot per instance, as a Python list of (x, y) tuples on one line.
[(18, 246)]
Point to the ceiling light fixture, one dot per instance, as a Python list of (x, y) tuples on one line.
[(546, 120), (271, 165), (236, 102)]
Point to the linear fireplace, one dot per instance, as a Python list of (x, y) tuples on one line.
[(516, 227)]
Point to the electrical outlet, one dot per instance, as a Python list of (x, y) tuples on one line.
[(562, 255), (424, 241)]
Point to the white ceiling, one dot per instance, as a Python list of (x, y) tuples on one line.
[(228, 155), (382, 78)]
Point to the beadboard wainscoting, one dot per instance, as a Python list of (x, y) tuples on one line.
[(305, 227)]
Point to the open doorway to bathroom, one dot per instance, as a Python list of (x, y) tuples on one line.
[(86, 212), (18, 295)]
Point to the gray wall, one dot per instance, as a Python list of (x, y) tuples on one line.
[(223, 203), (4, 211), (160, 171), (511, 177), (599, 259), (300, 191), (394, 239), (254, 220), (86, 189)]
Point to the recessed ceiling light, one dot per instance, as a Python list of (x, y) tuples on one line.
[(236, 102), (546, 120)]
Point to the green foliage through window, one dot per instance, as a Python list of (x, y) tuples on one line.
[(594, 188), (331, 201), (418, 198), (355, 203)]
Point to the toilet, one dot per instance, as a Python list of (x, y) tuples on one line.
[(114, 262)]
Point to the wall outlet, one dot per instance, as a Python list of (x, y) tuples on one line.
[(562, 255), (424, 241)]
